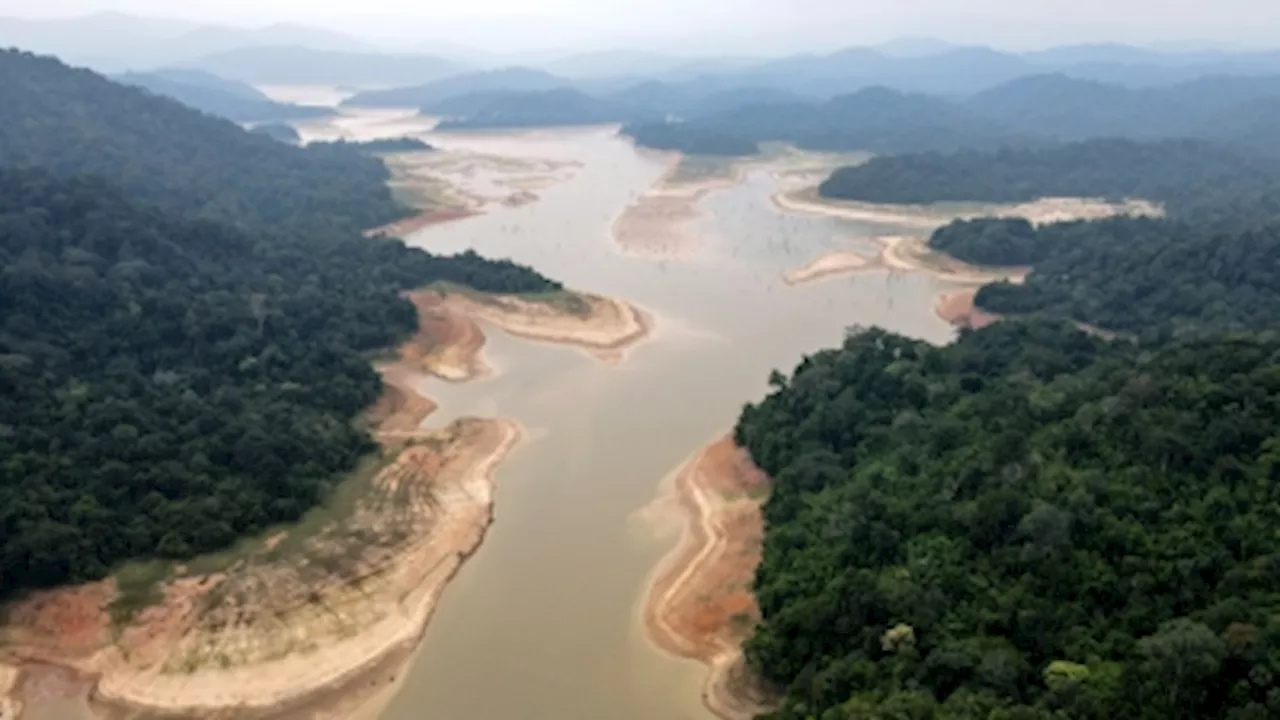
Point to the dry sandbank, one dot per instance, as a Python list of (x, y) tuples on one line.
[(605, 328), (699, 603), (807, 201), (905, 253)]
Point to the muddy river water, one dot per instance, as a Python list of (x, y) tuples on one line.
[(543, 623)]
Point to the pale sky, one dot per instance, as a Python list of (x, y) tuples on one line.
[(724, 25)]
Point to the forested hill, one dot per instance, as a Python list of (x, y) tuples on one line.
[(171, 384), (187, 314), (76, 122), (1028, 524), (1142, 277), (875, 120), (219, 97), (1189, 177)]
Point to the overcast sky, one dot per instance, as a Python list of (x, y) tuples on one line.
[(725, 25)]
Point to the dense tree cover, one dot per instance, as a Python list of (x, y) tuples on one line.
[(545, 108), (185, 340), (384, 145), (171, 384), (281, 132), (75, 122), (1028, 524), (691, 141), (1192, 178), (1138, 276), (215, 98), (875, 120)]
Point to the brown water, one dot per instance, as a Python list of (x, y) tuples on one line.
[(543, 623)]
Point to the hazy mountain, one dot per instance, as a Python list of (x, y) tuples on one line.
[(294, 65), (875, 119), (615, 63), (428, 96), (958, 70), (115, 41), (200, 78), (548, 108), (913, 47), (225, 98), (1218, 108), (695, 99)]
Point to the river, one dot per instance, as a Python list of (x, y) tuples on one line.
[(543, 623)]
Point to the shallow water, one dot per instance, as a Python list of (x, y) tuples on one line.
[(543, 623)]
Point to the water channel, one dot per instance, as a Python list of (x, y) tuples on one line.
[(543, 623)]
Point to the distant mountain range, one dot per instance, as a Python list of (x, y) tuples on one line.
[(428, 96), (114, 42), (292, 65), (300, 54), (209, 93), (1242, 112)]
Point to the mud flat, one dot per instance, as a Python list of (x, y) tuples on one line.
[(604, 328), (658, 223), (807, 201), (699, 604)]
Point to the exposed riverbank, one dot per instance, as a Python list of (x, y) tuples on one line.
[(605, 328), (699, 604), (807, 201), (908, 254), (320, 609), (307, 620)]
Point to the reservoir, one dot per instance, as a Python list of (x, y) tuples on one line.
[(543, 622)]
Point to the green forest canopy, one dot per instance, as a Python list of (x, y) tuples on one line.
[(1139, 276), (1191, 178), (187, 313), (1028, 524)]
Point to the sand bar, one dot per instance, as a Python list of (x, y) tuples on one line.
[(833, 263), (604, 328), (699, 603)]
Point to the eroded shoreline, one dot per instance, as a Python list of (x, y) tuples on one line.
[(311, 619), (699, 603)]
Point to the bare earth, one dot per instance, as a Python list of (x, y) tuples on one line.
[(699, 604), (308, 620), (604, 328), (909, 254), (806, 201), (958, 309)]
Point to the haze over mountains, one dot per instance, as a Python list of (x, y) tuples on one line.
[(293, 53)]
